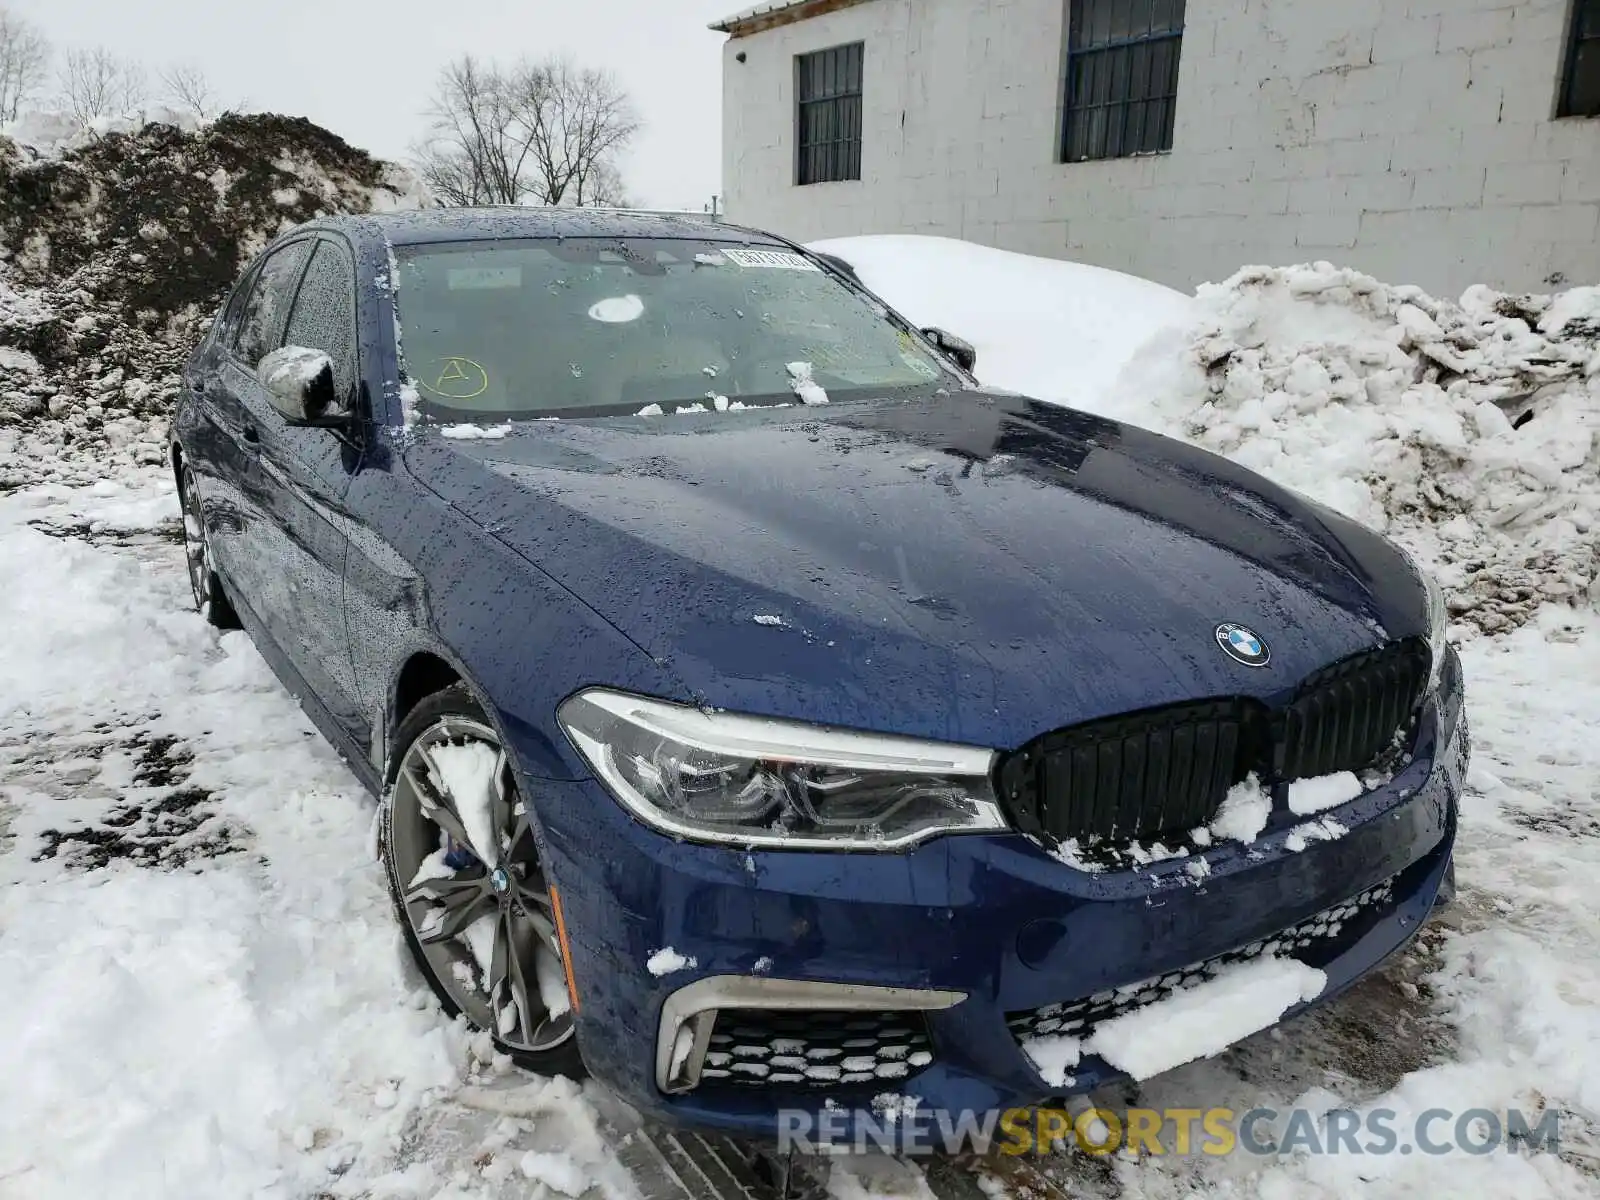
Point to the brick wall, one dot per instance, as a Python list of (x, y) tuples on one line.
[(1410, 138)]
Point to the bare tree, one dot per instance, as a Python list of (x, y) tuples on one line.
[(602, 187), (545, 132), (185, 87), (476, 146), (96, 83), (24, 58), (581, 119)]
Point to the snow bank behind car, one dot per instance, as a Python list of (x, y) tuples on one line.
[(1467, 430), (1060, 331)]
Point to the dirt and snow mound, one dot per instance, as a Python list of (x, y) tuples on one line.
[(1469, 431), (116, 249), (50, 134)]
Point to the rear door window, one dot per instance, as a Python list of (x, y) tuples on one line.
[(260, 326)]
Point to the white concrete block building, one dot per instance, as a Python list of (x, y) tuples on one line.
[(1437, 142)]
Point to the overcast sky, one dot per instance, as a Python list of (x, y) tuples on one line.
[(365, 68)]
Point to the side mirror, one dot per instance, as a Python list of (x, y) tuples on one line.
[(957, 351), (299, 384)]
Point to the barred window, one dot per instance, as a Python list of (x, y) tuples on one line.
[(1580, 90), (828, 117), (1122, 77)]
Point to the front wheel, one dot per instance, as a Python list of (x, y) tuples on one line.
[(209, 597), (463, 867)]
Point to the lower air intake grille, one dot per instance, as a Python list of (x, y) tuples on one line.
[(1130, 778), (815, 1048), (1312, 940), (1343, 717)]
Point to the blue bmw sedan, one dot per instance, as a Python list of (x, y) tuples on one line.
[(767, 717)]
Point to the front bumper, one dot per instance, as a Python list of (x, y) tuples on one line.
[(994, 935)]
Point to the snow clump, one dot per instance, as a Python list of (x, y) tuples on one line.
[(1466, 430)]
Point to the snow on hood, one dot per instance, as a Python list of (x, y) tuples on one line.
[(1466, 430)]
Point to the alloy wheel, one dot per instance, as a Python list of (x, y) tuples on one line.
[(196, 546), (465, 861)]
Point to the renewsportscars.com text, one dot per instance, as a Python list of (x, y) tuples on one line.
[(1213, 1132)]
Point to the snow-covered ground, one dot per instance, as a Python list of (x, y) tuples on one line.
[(204, 989), (200, 972)]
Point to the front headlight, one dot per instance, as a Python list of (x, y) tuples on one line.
[(750, 781), (1438, 621), (1438, 627)]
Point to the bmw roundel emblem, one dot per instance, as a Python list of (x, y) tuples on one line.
[(1243, 645)]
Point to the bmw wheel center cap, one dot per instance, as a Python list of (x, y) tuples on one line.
[(1243, 645), (500, 881)]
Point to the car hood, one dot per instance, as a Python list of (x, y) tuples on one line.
[(971, 567)]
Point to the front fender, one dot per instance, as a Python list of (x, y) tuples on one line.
[(423, 577)]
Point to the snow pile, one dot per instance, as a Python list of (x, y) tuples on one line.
[(469, 432), (50, 134), (1060, 331), (1466, 430), (466, 773), (1323, 830), (46, 134), (236, 1024), (1307, 796), (116, 249), (803, 385), (295, 367), (213, 997), (559, 1173), (1243, 815), (1053, 1055)]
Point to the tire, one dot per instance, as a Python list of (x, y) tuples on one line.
[(209, 597), (506, 978)]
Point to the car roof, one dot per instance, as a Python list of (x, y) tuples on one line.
[(477, 224)]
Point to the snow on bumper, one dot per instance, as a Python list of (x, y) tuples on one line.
[(991, 917)]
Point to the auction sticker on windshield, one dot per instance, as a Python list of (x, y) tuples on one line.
[(477, 278), (781, 260)]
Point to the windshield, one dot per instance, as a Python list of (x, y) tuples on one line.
[(530, 328)]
